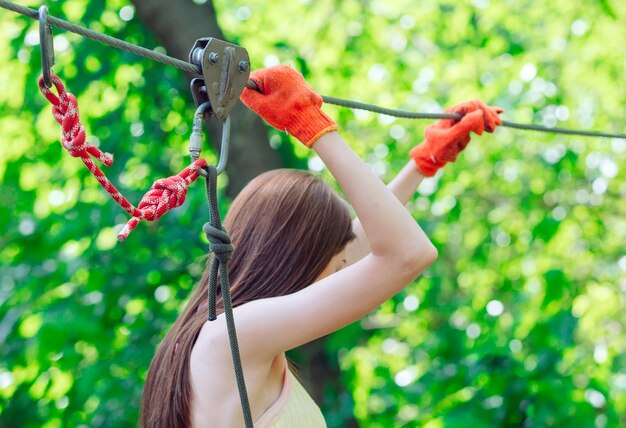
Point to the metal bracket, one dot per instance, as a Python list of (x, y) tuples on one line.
[(225, 70), (47, 46)]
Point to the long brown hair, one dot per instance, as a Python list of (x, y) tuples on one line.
[(286, 226)]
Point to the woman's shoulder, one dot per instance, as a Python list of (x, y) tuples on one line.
[(211, 354), (212, 341), (213, 380)]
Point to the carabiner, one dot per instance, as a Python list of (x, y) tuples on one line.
[(195, 140), (47, 46)]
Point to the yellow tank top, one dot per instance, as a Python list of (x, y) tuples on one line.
[(293, 408)]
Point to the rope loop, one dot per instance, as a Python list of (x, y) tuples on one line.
[(65, 112), (220, 242)]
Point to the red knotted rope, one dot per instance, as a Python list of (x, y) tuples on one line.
[(165, 193), (65, 111)]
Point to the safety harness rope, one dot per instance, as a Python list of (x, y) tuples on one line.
[(164, 195)]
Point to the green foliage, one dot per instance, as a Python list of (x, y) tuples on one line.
[(519, 323)]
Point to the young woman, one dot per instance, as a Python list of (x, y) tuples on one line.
[(300, 269)]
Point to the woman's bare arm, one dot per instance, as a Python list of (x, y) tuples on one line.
[(403, 186), (399, 252), (443, 141)]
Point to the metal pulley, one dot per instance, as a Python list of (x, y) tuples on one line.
[(225, 71)]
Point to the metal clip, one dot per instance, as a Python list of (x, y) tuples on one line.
[(195, 140), (225, 70), (47, 46)]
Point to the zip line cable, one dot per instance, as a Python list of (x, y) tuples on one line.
[(192, 68), (103, 38), (410, 115)]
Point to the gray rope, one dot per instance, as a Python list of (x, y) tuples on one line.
[(222, 248), (412, 115), (531, 127), (382, 110), (103, 38)]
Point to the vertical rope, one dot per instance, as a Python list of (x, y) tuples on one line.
[(222, 248)]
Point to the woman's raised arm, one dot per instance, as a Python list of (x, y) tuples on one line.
[(397, 250), (443, 141)]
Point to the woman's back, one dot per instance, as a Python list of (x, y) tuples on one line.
[(294, 407)]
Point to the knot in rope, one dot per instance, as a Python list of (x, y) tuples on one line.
[(65, 112), (165, 194), (220, 242)]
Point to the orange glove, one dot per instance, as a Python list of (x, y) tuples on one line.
[(446, 138), (287, 103)]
